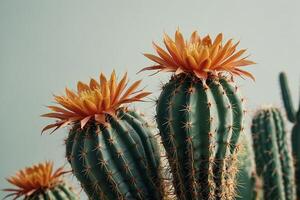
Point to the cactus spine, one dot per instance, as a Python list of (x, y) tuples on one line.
[(294, 117), (116, 161), (272, 155), (200, 126)]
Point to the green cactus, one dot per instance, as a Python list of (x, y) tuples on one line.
[(40, 182), (200, 126), (247, 180), (117, 161), (112, 150), (61, 192), (272, 155), (294, 117), (199, 113)]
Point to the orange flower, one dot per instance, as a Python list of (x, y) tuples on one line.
[(199, 56), (35, 178), (93, 101)]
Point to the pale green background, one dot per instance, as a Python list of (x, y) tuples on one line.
[(47, 45)]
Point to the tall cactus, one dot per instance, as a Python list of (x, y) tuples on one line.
[(294, 117), (200, 114), (272, 155), (40, 182), (111, 150)]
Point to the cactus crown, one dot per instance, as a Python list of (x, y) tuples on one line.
[(33, 179), (201, 57), (93, 101)]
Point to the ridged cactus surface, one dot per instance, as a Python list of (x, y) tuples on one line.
[(60, 192), (272, 155), (200, 125), (247, 180), (118, 161), (294, 117)]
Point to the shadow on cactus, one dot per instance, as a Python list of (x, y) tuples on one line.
[(40, 182), (111, 149), (294, 117), (200, 113)]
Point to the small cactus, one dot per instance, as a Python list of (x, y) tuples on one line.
[(40, 182), (272, 154), (294, 117), (200, 114), (112, 150)]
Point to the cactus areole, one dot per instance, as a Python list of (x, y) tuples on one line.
[(111, 149), (200, 113), (40, 182)]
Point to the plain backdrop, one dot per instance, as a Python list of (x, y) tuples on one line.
[(48, 45)]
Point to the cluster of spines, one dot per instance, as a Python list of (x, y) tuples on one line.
[(272, 154), (294, 117), (188, 116), (117, 161)]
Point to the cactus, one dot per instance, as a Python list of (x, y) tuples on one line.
[(119, 161), (294, 117), (39, 182), (112, 150), (272, 154), (200, 128), (247, 180), (200, 114)]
